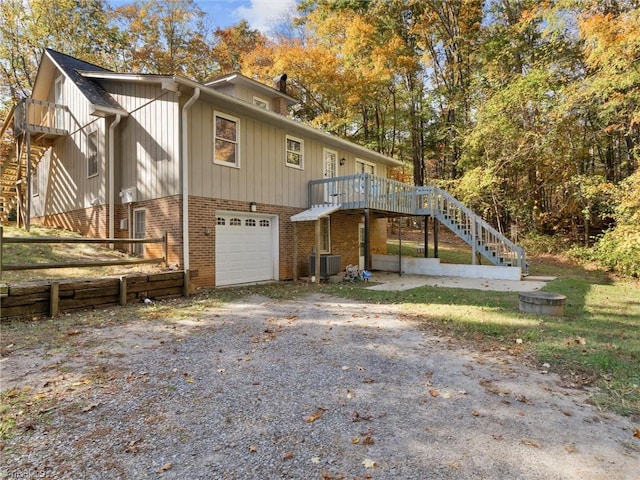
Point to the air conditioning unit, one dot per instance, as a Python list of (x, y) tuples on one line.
[(329, 265)]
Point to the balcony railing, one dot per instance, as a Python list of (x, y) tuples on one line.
[(42, 117), (364, 191)]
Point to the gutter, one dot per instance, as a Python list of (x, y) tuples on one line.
[(185, 180), (112, 194)]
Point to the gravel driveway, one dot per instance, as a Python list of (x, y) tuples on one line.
[(321, 388)]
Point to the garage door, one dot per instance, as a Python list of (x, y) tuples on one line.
[(246, 248)]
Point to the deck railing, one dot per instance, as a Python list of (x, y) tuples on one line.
[(363, 190), (360, 191), (40, 116)]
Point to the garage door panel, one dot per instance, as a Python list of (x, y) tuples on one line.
[(246, 252)]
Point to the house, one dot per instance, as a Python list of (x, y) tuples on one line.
[(243, 192)]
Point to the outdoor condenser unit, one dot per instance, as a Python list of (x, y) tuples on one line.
[(329, 265)]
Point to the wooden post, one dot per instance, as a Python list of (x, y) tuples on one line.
[(1, 234), (436, 227), (367, 254), (317, 269), (123, 290), (400, 246), (186, 286), (295, 251), (54, 299), (426, 236), (165, 248), (27, 217)]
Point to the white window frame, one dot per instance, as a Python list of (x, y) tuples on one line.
[(261, 103), (360, 161), (235, 120), (287, 151), (35, 184), (138, 248), (325, 235), (93, 157)]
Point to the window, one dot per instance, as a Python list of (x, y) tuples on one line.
[(264, 223), (92, 154), (225, 151), (295, 152), (235, 222), (260, 103), (35, 184), (139, 228), (325, 235), (365, 167), (249, 222), (220, 221)]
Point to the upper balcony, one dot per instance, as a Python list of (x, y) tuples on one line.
[(44, 118), (362, 190)]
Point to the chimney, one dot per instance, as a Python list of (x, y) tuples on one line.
[(281, 83)]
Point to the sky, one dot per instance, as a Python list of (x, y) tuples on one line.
[(259, 13), (223, 13)]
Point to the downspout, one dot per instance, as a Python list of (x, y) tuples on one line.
[(185, 180), (112, 168)]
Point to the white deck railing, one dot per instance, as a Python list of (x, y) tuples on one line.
[(40, 116), (363, 190)]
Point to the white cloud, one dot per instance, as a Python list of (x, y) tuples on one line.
[(261, 14)]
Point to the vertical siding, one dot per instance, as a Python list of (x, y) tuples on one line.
[(64, 185), (263, 176), (148, 156)]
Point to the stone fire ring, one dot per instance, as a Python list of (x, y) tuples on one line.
[(542, 303)]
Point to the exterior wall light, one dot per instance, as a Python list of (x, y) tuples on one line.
[(252, 207), (343, 161)]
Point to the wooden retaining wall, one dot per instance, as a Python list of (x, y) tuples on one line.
[(50, 298)]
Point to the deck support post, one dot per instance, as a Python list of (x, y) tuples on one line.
[(426, 236), (27, 213), (436, 227), (400, 246), (295, 251), (367, 254), (317, 265)]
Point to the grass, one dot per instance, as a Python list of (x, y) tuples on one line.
[(23, 253), (597, 342)]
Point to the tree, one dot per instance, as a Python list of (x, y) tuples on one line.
[(76, 27), (165, 37)]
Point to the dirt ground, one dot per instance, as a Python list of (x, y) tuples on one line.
[(318, 387)]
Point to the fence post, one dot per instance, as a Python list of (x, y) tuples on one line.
[(54, 299), (123, 290), (165, 248), (1, 234)]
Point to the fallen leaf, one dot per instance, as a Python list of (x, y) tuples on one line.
[(288, 456), (90, 407), (355, 440), (518, 341), (350, 394), (313, 417), (571, 449), (433, 393), (531, 443), (345, 368), (190, 380), (165, 468), (497, 436), (315, 460), (253, 448), (636, 433), (475, 413), (74, 332), (368, 440), (368, 463)]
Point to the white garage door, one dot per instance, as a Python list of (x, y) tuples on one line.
[(246, 248)]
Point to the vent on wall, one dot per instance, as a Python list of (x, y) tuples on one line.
[(329, 265)]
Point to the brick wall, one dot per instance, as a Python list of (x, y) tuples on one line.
[(165, 214)]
